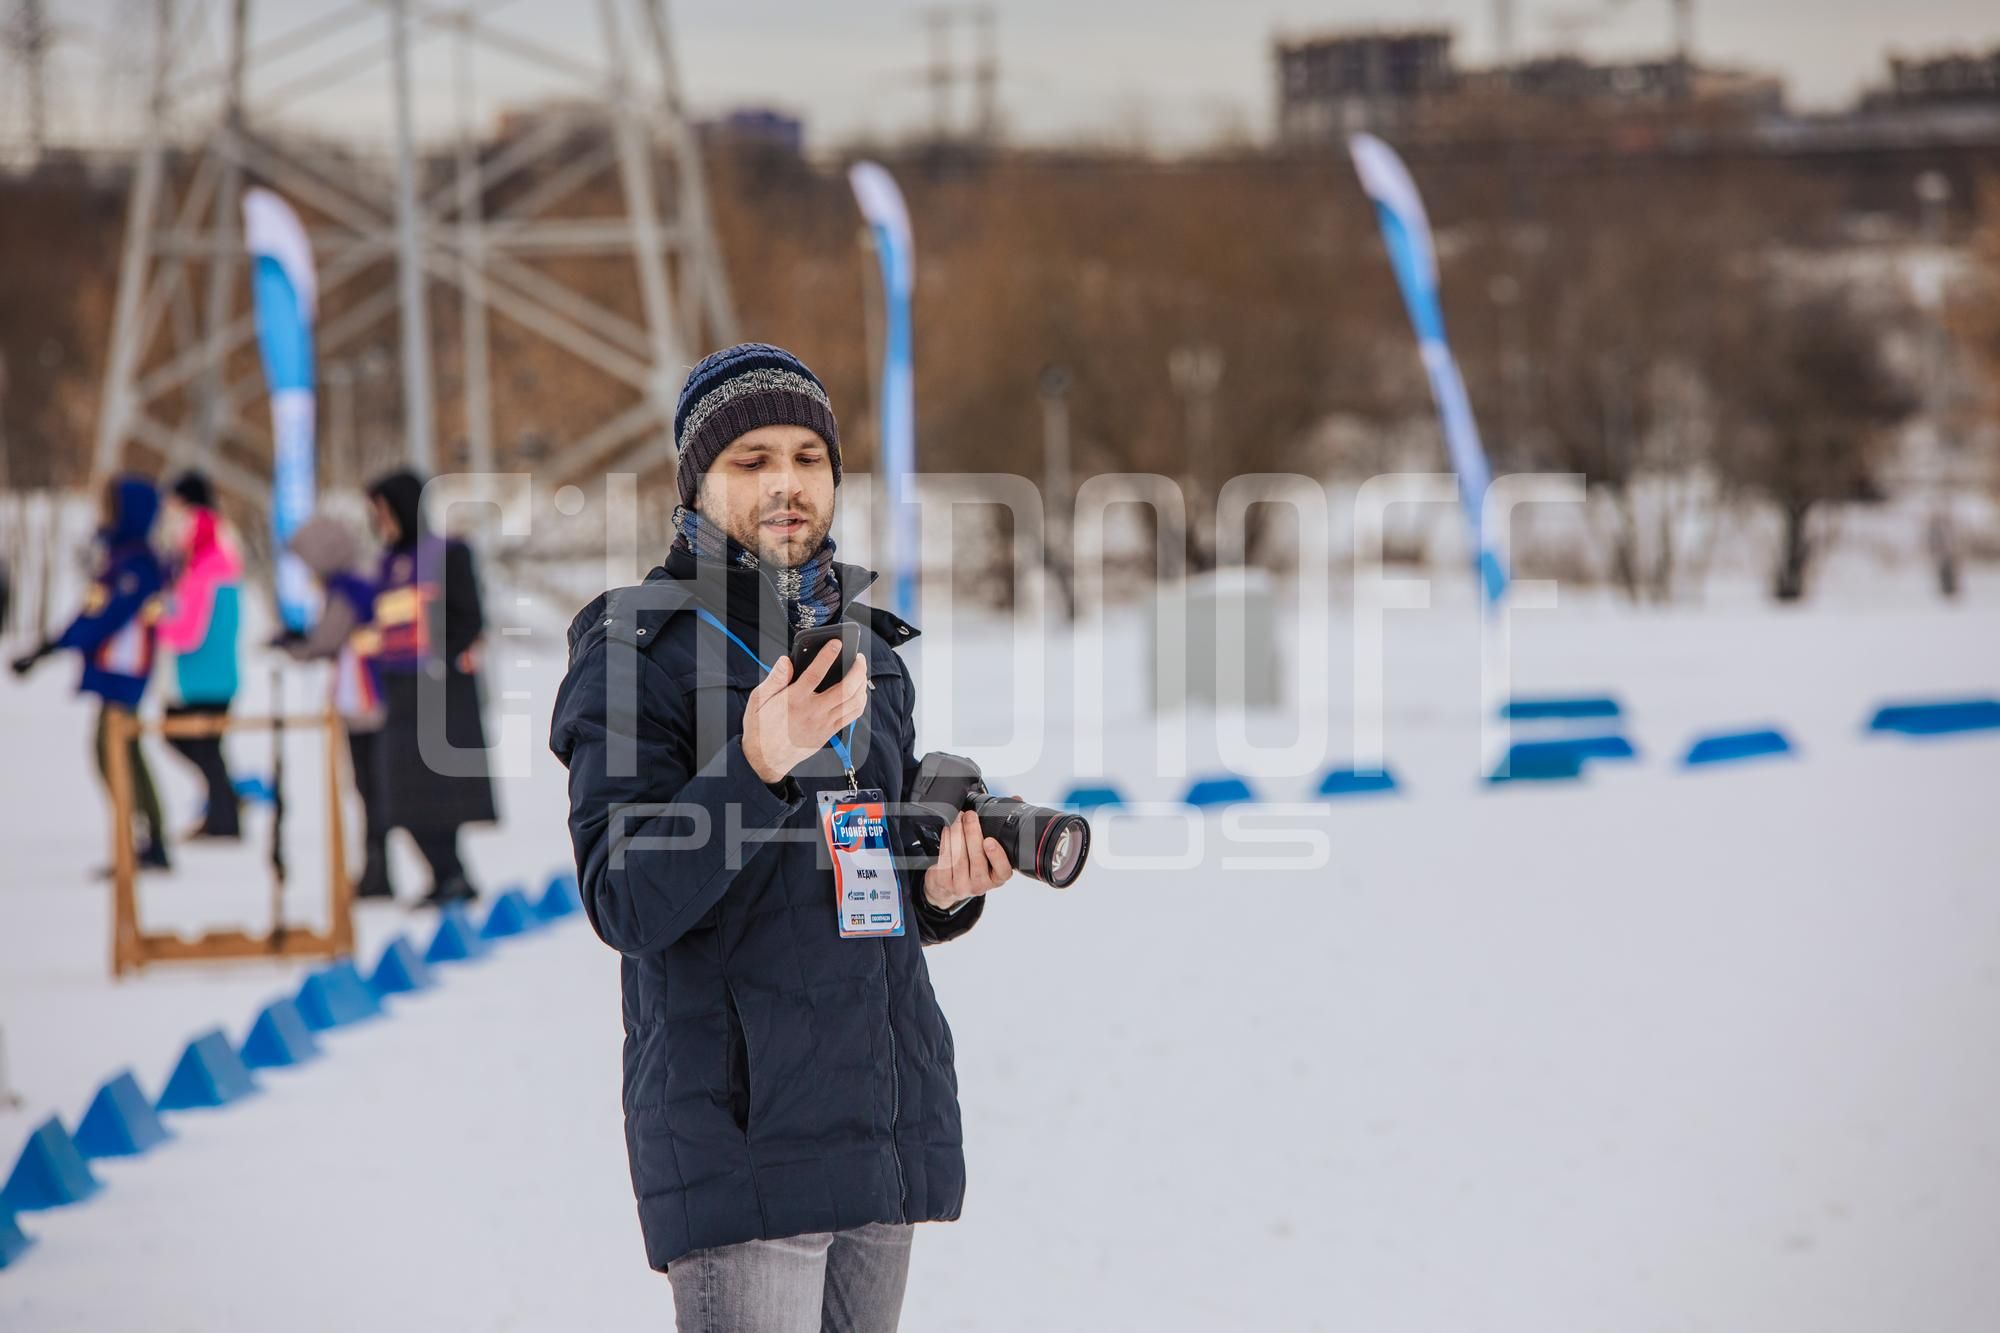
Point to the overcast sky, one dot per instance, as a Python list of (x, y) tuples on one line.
[(1174, 71)]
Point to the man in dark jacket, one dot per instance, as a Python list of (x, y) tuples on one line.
[(790, 1102)]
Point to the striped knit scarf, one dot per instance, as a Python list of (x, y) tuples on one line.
[(810, 592)]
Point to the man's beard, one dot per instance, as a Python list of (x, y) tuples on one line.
[(781, 554)]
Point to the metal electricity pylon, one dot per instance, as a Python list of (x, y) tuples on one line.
[(26, 36), (482, 221)]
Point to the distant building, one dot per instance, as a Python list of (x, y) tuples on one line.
[(1568, 78), (1634, 85), (1334, 84), (580, 114), (1946, 107), (1953, 78), (763, 127)]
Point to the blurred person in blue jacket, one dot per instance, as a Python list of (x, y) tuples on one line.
[(115, 634)]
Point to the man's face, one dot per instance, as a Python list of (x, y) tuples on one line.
[(772, 490), (383, 520), (175, 520)]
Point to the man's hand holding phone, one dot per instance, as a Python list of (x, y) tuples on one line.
[(787, 720)]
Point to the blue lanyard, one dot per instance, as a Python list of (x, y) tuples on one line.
[(840, 749)]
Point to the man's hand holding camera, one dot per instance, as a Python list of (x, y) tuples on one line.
[(968, 864)]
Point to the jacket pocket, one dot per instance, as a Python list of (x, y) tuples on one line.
[(736, 1062)]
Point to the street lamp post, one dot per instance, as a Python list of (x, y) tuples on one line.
[(1196, 372), (1933, 196), (343, 467), (9, 1099), (1053, 388), (418, 425)]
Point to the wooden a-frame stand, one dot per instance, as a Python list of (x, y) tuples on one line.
[(132, 948)]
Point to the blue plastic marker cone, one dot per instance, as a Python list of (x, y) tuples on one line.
[(1728, 747), (1093, 796), (560, 899), (335, 996), (456, 941), (210, 1073), (509, 916), (399, 971), (14, 1242), (1938, 717), (1540, 761), (279, 1038), (1604, 747), (49, 1173), (1357, 782), (1561, 707), (1224, 789), (120, 1121)]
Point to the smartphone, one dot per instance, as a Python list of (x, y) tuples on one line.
[(806, 646)]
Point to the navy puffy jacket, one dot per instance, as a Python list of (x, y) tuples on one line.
[(114, 631), (778, 1079)]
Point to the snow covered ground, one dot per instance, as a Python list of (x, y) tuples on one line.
[(1658, 1050)]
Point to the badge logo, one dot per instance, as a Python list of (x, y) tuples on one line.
[(850, 826)]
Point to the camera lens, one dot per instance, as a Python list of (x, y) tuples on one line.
[(1064, 843), (1048, 844)]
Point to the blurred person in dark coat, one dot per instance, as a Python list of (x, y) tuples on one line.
[(345, 635), (428, 625)]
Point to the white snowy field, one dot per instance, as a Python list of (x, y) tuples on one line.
[(1659, 1050)]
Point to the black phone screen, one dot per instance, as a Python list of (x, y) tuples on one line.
[(806, 646)]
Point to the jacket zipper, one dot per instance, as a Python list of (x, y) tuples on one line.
[(895, 1087)]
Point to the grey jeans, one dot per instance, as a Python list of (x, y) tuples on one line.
[(825, 1282)]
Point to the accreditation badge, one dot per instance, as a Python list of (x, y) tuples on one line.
[(867, 894)]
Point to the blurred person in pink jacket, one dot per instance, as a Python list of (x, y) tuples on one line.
[(201, 625)]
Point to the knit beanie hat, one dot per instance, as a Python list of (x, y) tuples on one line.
[(738, 389), (194, 488)]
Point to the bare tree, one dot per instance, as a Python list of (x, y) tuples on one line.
[(1808, 410), (1972, 315), (1597, 343), (56, 225)]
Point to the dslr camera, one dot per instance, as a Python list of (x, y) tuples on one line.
[(1049, 845)]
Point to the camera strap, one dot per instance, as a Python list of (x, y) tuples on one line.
[(840, 746)]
